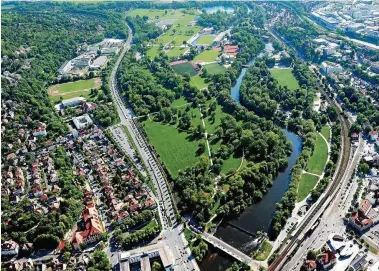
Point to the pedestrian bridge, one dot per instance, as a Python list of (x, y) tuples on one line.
[(235, 253)]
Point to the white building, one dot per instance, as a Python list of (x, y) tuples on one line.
[(330, 67), (9, 248), (73, 101), (82, 121), (99, 63)]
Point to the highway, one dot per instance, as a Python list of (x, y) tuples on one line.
[(172, 236)]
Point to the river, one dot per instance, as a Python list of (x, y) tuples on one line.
[(256, 217)]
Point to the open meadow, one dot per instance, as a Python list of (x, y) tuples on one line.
[(285, 78)]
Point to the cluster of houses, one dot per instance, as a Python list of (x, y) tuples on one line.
[(94, 58)]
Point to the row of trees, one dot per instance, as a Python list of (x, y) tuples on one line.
[(142, 235)]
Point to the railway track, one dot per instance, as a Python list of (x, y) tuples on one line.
[(333, 187)]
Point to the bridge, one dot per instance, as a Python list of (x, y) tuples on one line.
[(228, 249)]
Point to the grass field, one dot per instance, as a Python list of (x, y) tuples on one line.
[(184, 68), (285, 78), (215, 68), (176, 149), (318, 159), (176, 51), (325, 131), (153, 52), (307, 183), (70, 90), (207, 56), (179, 102), (205, 39), (198, 82), (73, 86)]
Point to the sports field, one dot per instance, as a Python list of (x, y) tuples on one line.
[(73, 89), (198, 82), (307, 183), (205, 40), (318, 159), (207, 56), (215, 68), (285, 78), (184, 68)]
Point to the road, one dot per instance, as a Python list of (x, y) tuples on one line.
[(172, 236)]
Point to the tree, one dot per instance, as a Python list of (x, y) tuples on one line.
[(156, 266), (99, 261), (201, 147)]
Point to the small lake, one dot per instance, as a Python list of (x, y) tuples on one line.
[(211, 10)]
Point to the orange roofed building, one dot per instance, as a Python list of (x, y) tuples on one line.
[(93, 228)]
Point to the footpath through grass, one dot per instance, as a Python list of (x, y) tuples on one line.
[(307, 183), (285, 78), (318, 159)]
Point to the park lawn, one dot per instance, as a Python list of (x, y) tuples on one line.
[(207, 56), (325, 131), (198, 82), (264, 250), (184, 68), (319, 156), (152, 14), (176, 149), (212, 126), (153, 52), (206, 39), (307, 183), (214, 68), (231, 164), (179, 102), (285, 78), (74, 86), (85, 94)]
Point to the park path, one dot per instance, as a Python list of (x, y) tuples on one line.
[(206, 135)]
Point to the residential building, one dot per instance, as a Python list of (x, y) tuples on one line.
[(9, 248), (326, 259), (359, 263), (73, 102), (330, 67), (83, 121)]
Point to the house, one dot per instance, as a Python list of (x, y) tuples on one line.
[(9, 248), (121, 216), (365, 206), (21, 264), (40, 130), (354, 137), (373, 136), (150, 204), (326, 259), (92, 230), (310, 265)]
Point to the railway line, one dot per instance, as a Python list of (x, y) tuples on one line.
[(331, 189)]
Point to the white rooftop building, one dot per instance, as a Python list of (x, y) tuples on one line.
[(82, 121)]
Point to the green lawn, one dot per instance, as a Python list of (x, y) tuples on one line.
[(176, 149), (205, 39), (214, 68), (318, 159), (176, 52), (285, 78), (179, 102), (207, 56), (184, 68), (153, 52), (73, 86), (325, 131), (198, 82), (307, 183), (264, 250)]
